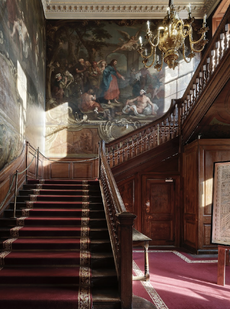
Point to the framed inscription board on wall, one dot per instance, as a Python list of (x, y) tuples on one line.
[(221, 204)]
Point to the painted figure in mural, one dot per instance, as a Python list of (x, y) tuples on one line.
[(102, 65), (134, 82), (80, 69), (23, 34), (110, 89), (69, 79), (143, 106), (88, 102), (59, 86), (144, 77), (94, 74), (129, 42)]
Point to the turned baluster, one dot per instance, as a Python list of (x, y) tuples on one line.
[(194, 87), (122, 152), (158, 134), (113, 157), (222, 45), (151, 142), (201, 81), (197, 87), (169, 130), (148, 136), (142, 137), (174, 121), (204, 75), (211, 63), (188, 104), (118, 156), (182, 112), (227, 36), (137, 146), (217, 53)]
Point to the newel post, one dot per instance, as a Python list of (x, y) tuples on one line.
[(126, 258)]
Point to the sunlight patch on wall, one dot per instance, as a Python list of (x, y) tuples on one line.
[(22, 90), (207, 192), (57, 120)]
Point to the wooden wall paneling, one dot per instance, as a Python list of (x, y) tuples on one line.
[(83, 170), (60, 170), (7, 179), (128, 189), (80, 168), (31, 163), (198, 161), (190, 195)]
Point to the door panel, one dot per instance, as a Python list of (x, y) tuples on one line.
[(158, 211)]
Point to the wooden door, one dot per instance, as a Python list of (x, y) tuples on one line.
[(158, 211)]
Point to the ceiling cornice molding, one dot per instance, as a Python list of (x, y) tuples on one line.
[(126, 9)]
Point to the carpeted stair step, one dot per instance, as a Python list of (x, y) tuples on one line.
[(50, 221), (60, 244), (36, 244), (40, 297), (100, 245), (55, 258), (104, 278), (42, 258), (106, 298), (95, 233), (60, 228), (52, 212), (62, 221), (101, 260), (55, 276), (8, 222), (65, 198), (49, 231), (50, 186), (57, 204), (41, 276), (59, 192)]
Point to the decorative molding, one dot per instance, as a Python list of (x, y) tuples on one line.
[(64, 9)]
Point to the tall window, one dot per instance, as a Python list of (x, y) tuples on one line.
[(177, 80)]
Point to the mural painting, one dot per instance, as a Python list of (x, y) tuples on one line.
[(94, 67), (22, 76)]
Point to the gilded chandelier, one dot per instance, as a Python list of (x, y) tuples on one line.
[(170, 38)]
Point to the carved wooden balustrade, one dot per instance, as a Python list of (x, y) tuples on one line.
[(178, 119), (120, 224)]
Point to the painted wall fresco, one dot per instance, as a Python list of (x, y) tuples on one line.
[(95, 75), (22, 76)]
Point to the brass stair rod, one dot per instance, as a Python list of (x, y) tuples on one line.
[(15, 193), (37, 163)]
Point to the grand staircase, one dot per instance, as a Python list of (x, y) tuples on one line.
[(56, 253)]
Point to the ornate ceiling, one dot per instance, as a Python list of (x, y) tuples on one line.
[(123, 9)]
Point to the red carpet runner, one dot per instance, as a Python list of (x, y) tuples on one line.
[(46, 262)]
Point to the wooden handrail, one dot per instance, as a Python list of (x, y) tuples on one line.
[(120, 223), (170, 125)]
